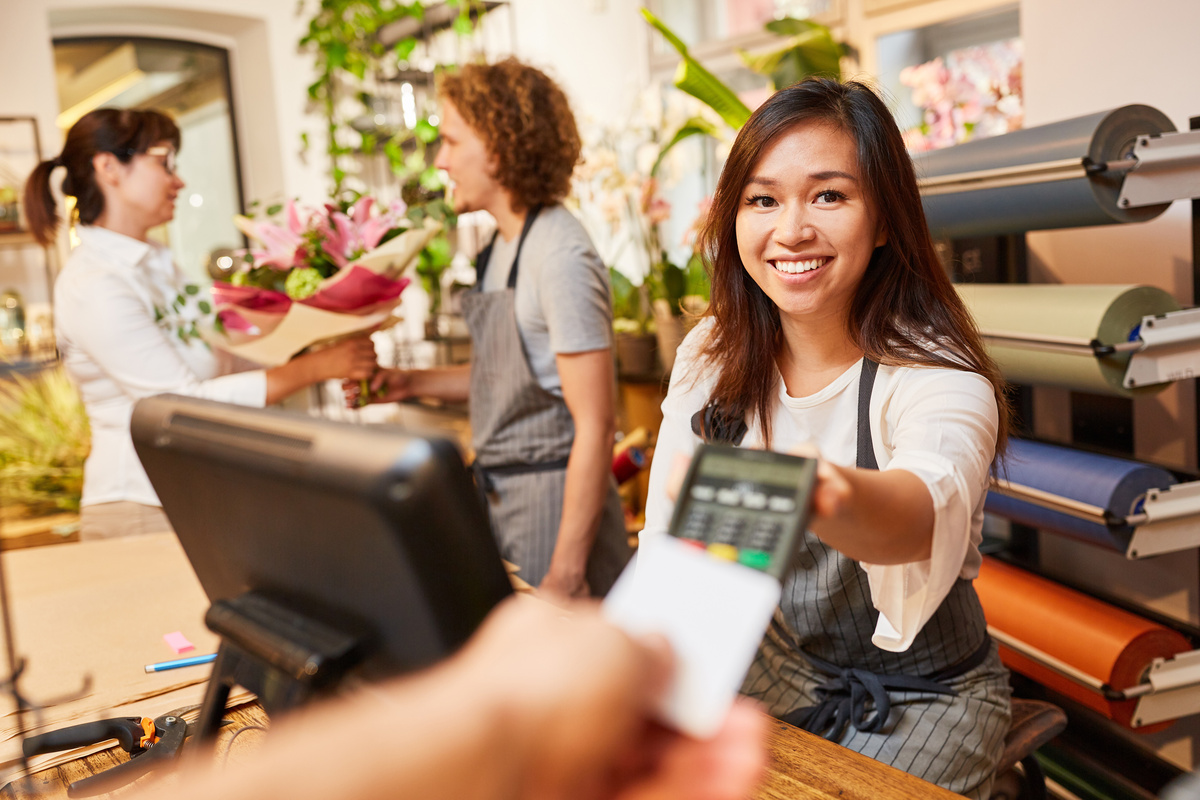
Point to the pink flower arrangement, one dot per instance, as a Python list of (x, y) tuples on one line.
[(321, 274), (974, 92)]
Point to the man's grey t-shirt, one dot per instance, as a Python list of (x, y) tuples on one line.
[(563, 302)]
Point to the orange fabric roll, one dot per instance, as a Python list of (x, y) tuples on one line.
[(1102, 641)]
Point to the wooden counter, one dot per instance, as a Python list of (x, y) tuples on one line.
[(802, 767), (806, 767), (80, 608)]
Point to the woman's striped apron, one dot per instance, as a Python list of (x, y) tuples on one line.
[(522, 437)]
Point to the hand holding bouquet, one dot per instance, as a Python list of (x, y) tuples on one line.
[(324, 274)]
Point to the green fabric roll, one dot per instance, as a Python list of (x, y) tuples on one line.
[(1108, 314)]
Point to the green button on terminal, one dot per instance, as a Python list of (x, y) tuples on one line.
[(757, 559)]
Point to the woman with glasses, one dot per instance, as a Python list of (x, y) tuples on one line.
[(116, 316)]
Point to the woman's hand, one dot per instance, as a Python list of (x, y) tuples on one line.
[(384, 386), (561, 584), (352, 359), (831, 491), (873, 516)]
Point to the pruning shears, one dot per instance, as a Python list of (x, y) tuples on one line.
[(151, 744)]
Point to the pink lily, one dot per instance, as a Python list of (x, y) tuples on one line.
[(360, 212), (284, 248), (337, 240), (293, 218), (373, 230)]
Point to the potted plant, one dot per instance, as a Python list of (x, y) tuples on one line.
[(44, 439), (633, 327)]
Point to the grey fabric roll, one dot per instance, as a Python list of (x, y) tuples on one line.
[(1072, 203)]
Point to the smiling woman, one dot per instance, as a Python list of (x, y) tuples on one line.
[(834, 330), (806, 229)]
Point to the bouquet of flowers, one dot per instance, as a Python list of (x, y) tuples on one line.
[(322, 274)]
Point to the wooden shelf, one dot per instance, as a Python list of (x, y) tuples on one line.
[(16, 238)]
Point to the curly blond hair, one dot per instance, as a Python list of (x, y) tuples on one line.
[(526, 122)]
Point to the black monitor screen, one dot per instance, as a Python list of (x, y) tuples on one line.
[(374, 525)]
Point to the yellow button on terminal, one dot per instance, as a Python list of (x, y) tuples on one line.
[(724, 551)]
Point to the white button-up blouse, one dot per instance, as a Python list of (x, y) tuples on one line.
[(116, 352)]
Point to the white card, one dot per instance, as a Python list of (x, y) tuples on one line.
[(713, 613)]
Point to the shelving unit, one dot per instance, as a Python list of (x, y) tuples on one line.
[(23, 239), (1092, 424), (41, 351)]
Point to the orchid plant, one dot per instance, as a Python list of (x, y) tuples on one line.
[(618, 194)]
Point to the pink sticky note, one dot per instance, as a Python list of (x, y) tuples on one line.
[(178, 642)]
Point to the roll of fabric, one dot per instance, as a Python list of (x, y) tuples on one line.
[(1058, 313), (1111, 645), (627, 463), (1039, 204), (1114, 484)]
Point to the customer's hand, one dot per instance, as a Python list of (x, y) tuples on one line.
[(580, 695), (384, 386), (352, 359), (536, 705)]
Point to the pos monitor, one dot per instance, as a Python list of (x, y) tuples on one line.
[(329, 551)]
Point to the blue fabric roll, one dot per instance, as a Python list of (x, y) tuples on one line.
[(1113, 484)]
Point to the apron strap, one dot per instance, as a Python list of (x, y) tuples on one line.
[(485, 255), (866, 382), (529, 218), (481, 260), (711, 425)]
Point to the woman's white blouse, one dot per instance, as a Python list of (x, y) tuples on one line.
[(116, 353), (939, 424)]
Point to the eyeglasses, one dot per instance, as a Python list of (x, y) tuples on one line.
[(168, 156)]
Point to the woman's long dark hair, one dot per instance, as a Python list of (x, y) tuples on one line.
[(904, 303), (122, 132)]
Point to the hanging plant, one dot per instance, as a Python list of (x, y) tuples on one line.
[(344, 37)]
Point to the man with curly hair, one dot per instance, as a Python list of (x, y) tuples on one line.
[(540, 383)]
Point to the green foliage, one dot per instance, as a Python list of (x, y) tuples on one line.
[(697, 81), (262, 277), (695, 125), (624, 296), (696, 283), (810, 50), (431, 263), (667, 282), (344, 37), (44, 439), (631, 304)]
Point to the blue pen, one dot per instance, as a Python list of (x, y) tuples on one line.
[(190, 661)]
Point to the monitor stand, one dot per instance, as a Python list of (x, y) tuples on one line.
[(283, 656)]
